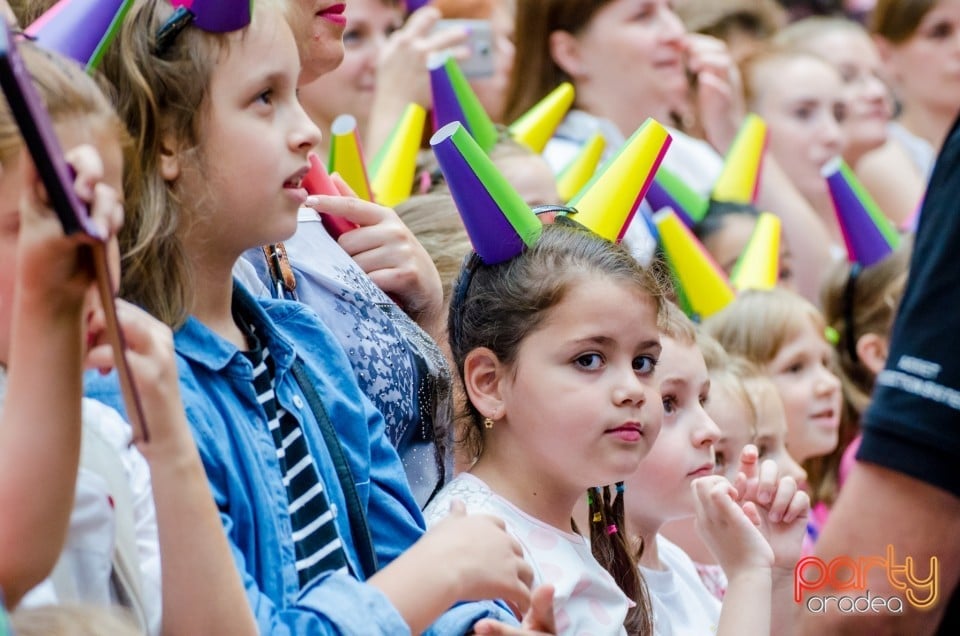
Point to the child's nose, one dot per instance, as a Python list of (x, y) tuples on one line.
[(706, 430)]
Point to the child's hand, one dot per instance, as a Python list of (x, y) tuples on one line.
[(782, 507), (538, 621), (729, 530), (51, 263), (483, 559), (151, 357), (387, 251)]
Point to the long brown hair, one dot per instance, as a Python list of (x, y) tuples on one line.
[(897, 20), (160, 97), (535, 74)]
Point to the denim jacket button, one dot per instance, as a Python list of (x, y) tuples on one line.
[(297, 401)]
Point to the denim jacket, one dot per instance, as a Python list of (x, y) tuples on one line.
[(239, 456)]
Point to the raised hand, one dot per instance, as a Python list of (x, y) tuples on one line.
[(719, 98)]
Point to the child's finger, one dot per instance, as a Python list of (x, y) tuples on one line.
[(799, 507), (88, 167), (752, 513), (767, 481), (781, 501)]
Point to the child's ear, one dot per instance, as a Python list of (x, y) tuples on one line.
[(873, 349), (169, 158), (482, 376)]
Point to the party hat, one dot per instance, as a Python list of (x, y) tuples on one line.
[(670, 191), (80, 29), (702, 287), (218, 16), (535, 127), (413, 5), (759, 265), (395, 166), (498, 221), (867, 232), (318, 181), (579, 171), (346, 156), (454, 100), (608, 202), (740, 178)]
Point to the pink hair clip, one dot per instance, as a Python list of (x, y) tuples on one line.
[(612, 529)]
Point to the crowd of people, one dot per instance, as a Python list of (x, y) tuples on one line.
[(503, 317)]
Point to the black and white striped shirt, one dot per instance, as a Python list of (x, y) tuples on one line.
[(317, 545)]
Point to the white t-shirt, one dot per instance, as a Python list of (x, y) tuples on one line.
[(87, 556), (693, 160), (682, 605), (586, 600)]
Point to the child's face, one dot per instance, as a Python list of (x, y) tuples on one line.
[(254, 142), (734, 418), (771, 440), (580, 399), (803, 103), (70, 134), (870, 105), (810, 393), (660, 489)]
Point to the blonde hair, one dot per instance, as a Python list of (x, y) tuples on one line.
[(722, 18), (898, 20), (434, 220), (68, 94), (675, 324), (162, 98), (730, 372), (757, 324)]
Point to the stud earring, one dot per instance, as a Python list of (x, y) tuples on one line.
[(487, 423)]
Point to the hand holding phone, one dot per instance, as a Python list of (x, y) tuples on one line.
[(480, 43)]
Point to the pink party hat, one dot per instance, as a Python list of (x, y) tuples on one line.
[(80, 29), (739, 181), (867, 232), (454, 100), (759, 265), (395, 166), (498, 221), (535, 127), (318, 181), (670, 191), (702, 287), (607, 204), (346, 156), (579, 171)]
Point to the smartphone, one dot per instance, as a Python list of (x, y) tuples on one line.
[(480, 42), (57, 176)]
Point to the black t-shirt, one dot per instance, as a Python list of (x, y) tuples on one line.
[(913, 423)]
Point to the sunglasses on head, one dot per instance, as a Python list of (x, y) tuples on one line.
[(212, 16)]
